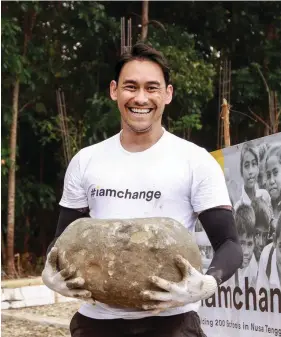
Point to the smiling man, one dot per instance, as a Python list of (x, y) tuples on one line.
[(114, 178), (141, 89)]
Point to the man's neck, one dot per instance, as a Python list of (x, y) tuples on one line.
[(138, 142)]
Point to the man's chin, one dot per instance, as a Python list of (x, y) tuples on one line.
[(140, 128)]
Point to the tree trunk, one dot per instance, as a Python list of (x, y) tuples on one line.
[(26, 235), (144, 20), (12, 182), (3, 250), (226, 124)]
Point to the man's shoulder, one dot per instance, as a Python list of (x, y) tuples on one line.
[(183, 144), (189, 151), (97, 147)]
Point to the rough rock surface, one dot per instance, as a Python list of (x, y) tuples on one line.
[(116, 257)]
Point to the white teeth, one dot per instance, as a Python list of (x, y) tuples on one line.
[(140, 111)]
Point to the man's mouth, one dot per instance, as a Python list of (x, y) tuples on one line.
[(142, 111)]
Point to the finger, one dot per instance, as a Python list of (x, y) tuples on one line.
[(161, 283), (88, 300), (77, 282), (52, 258), (81, 294), (156, 295), (67, 272), (184, 266), (159, 306)]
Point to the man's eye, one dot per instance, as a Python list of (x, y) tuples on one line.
[(152, 88), (130, 87)]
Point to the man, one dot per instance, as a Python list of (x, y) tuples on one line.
[(186, 181)]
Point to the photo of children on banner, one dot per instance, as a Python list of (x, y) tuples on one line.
[(258, 214), (249, 169), (273, 178), (263, 225), (269, 273), (245, 221)]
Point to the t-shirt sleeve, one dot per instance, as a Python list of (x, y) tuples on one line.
[(208, 187), (74, 195)]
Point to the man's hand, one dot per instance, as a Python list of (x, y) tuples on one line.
[(194, 287), (64, 282)]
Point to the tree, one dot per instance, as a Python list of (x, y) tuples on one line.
[(11, 30), (56, 56), (145, 21), (73, 48), (192, 78)]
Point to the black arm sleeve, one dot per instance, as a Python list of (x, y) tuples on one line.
[(221, 230), (66, 217)]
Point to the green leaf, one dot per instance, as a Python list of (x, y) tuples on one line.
[(40, 107)]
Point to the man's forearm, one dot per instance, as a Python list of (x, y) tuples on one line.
[(227, 259), (66, 217), (220, 228)]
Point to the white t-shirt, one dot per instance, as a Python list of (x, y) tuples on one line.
[(173, 178)]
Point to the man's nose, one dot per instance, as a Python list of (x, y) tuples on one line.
[(141, 98)]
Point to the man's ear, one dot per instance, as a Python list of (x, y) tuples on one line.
[(169, 94), (113, 90)]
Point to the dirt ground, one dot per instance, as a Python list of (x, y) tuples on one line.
[(18, 328)]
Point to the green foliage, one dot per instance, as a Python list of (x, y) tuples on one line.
[(192, 77), (186, 122), (73, 46), (50, 45), (32, 194), (11, 58)]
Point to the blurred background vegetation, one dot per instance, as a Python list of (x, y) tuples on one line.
[(57, 62)]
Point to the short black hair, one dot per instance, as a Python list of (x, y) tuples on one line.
[(142, 51), (262, 212), (245, 220)]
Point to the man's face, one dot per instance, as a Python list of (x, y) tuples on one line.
[(250, 170), (260, 239), (247, 245), (141, 95), (273, 177)]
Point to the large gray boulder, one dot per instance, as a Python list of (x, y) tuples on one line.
[(116, 257)]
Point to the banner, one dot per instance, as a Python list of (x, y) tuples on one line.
[(249, 303)]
